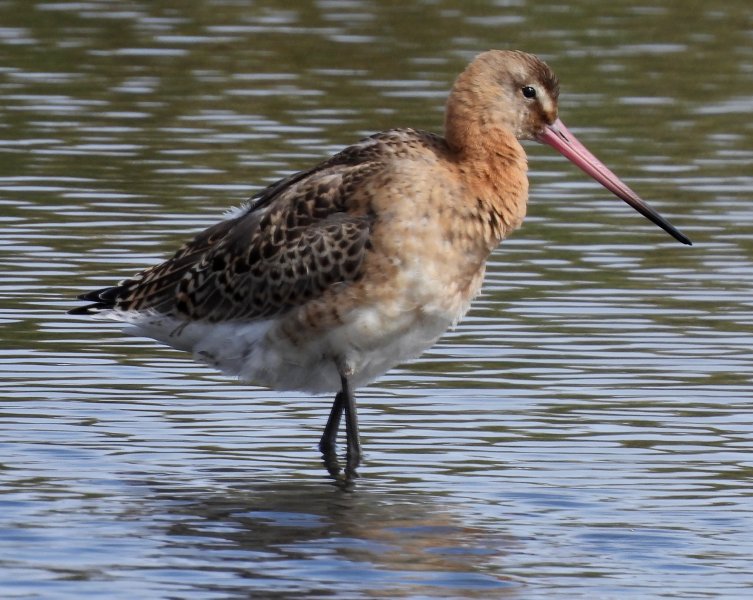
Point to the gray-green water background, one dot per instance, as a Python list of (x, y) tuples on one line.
[(585, 433)]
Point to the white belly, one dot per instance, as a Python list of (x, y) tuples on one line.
[(258, 353)]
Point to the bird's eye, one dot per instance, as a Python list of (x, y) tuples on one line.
[(529, 91)]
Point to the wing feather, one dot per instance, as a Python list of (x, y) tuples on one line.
[(297, 238)]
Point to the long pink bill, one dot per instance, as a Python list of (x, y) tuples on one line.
[(559, 137)]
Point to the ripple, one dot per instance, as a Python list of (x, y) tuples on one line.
[(585, 431)]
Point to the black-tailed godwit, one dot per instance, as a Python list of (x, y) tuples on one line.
[(332, 276)]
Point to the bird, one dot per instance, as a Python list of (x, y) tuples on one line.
[(328, 278)]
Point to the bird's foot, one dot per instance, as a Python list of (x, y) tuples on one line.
[(332, 464), (352, 460)]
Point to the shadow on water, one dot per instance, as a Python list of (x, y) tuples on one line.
[(316, 538)]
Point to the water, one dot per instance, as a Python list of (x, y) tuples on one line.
[(585, 433)]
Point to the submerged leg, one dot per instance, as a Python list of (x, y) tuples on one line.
[(344, 402), (353, 456), (328, 440)]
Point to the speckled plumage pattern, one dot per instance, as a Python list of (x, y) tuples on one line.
[(358, 251), (333, 275)]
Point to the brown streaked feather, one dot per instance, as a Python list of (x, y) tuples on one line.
[(298, 237), (249, 276)]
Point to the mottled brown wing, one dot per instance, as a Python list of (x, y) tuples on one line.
[(299, 237), (265, 267)]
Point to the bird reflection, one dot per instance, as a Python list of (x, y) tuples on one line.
[(319, 538)]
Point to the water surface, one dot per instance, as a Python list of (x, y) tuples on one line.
[(586, 432)]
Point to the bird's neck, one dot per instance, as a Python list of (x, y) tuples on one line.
[(493, 166)]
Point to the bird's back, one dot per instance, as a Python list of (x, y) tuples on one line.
[(325, 259), (293, 240)]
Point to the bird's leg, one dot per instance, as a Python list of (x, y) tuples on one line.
[(344, 402), (353, 455), (329, 438)]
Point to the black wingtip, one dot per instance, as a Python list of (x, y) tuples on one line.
[(89, 309), (102, 299)]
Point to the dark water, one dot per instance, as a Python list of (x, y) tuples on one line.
[(587, 431)]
